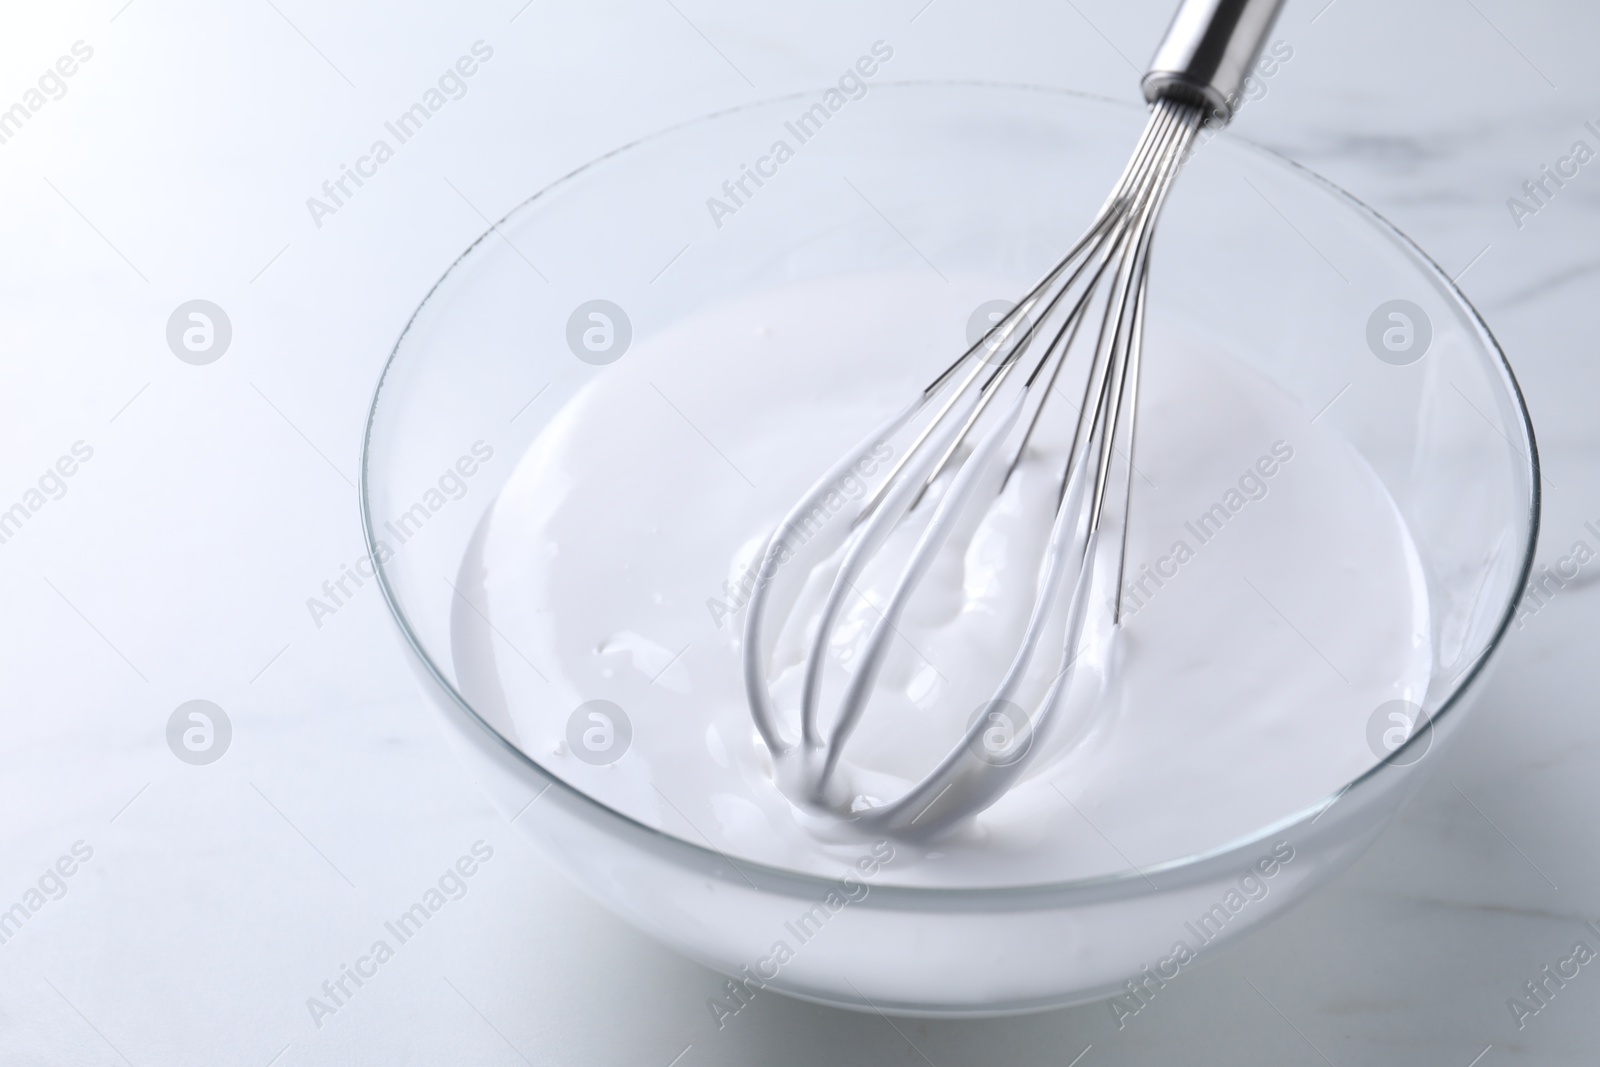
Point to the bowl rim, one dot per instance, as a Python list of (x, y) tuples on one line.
[(1135, 881)]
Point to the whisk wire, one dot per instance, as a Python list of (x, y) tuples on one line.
[(1116, 246)]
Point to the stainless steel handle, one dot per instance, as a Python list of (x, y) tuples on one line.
[(1210, 48)]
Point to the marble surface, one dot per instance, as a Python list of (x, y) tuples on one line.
[(177, 563)]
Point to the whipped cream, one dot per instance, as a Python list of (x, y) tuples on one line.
[(1273, 597)]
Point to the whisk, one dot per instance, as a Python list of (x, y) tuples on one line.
[(983, 409)]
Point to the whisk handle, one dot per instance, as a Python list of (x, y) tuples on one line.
[(1208, 52)]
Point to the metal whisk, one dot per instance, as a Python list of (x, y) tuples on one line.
[(967, 419)]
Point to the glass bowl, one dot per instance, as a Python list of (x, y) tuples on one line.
[(1255, 253)]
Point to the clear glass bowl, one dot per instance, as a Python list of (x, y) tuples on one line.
[(1255, 253)]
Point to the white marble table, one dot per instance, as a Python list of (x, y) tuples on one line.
[(176, 563)]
